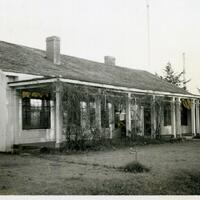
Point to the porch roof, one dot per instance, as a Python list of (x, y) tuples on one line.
[(26, 60), (38, 82)]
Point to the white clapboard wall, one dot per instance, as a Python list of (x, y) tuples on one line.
[(3, 112)]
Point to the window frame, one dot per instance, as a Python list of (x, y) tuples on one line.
[(167, 114), (44, 112), (104, 114), (184, 116)]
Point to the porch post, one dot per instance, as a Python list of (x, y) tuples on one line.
[(52, 122), (173, 117), (128, 114), (178, 117), (111, 118), (98, 111), (193, 117), (161, 121), (142, 120), (153, 117), (197, 117), (58, 116)]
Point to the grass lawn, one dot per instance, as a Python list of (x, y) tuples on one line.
[(174, 169)]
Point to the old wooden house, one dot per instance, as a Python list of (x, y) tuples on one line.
[(50, 97)]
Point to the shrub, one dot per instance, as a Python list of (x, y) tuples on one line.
[(177, 140), (197, 136), (135, 167), (44, 150)]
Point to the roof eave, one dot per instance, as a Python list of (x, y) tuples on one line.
[(18, 84)]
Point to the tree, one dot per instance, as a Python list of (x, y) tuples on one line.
[(172, 77)]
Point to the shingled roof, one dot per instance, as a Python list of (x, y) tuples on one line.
[(26, 60)]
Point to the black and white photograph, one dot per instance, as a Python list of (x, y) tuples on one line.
[(99, 97)]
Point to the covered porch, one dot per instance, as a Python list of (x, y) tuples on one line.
[(59, 110)]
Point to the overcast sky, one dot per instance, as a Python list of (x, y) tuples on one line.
[(92, 29)]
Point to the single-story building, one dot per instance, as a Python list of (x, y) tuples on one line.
[(50, 97)]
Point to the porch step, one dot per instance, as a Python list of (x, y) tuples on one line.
[(188, 137)]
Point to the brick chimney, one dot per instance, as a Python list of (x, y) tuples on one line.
[(109, 60), (53, 49)]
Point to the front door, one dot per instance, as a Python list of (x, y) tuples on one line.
[(147, 121)]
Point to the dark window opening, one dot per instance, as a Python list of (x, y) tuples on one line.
[(92, 114), (184, 116), (104, 115), (35, 113), (167, 114), (74, 113)]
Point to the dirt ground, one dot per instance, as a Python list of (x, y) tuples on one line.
[(174, 169)]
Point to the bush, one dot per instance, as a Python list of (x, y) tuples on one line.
[(86, 145), (135, 167), (44, 150), (197, 136), (177, 140), (106, 144)]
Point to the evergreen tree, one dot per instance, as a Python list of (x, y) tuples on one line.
[(172, 77)]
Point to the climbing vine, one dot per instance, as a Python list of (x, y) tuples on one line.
[(79, 111)]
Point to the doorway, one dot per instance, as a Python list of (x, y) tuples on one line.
[(147, 121)]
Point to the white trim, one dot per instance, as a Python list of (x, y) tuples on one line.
[(21, 74), (125, 89), (31, 82)]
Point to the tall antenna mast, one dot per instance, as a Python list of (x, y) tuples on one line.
[(148, 34), (184, 78)]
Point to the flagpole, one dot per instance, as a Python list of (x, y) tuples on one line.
[(148, 34)]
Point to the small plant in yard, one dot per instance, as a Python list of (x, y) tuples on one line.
[(135, 167)]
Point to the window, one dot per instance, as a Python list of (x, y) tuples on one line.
[(73, 110), (87, 114), (184, 116), (35, 113), (92, 114), (104, 115), (120, 115), (83, 106), (167, 114)]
